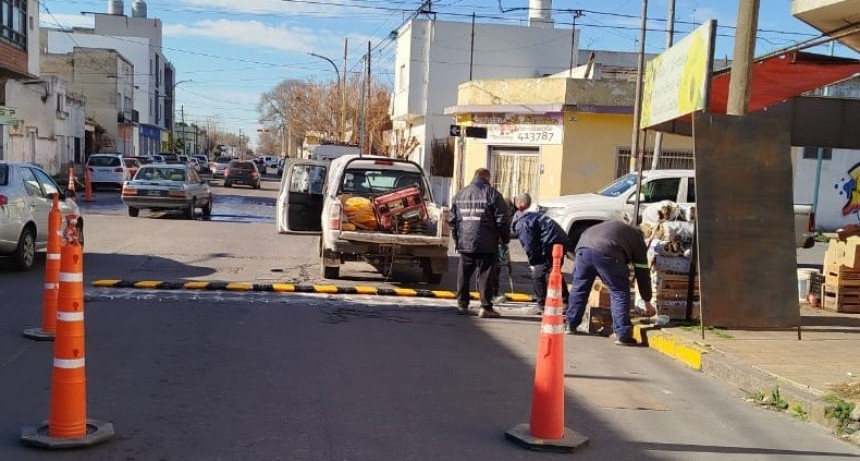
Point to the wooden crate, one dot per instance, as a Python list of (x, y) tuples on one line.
[(842, 275), (841, 298), (674, 295), (678, 310)]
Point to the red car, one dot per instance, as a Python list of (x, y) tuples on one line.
[(242, 172)]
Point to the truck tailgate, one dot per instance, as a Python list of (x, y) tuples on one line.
[(398, 239)]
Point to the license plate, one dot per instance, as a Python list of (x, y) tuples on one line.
[(153, 192)]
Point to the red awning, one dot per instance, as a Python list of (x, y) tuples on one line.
[(780, 77)]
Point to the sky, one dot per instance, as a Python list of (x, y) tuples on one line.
[(232, 51)]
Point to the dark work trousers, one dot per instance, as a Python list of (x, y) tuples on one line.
[(615, 274), (485, 263), (540, 279)]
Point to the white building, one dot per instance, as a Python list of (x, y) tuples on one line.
[(434, 57), (138, 38), (50, 127)]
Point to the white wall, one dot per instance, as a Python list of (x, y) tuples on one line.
[(839, 190), (33, 37), (435, 58)]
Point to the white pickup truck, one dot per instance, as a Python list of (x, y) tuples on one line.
[(310, 202), (578, 212)]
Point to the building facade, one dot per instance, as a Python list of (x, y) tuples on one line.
[(19, 57), (139, 39), (550, 136), (106, 79)]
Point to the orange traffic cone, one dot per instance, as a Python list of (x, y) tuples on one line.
[(71, 184), (88, 188), (52, 278), (67, 425), (545, 430)]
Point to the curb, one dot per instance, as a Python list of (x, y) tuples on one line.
[(740, 375), (292, 288)]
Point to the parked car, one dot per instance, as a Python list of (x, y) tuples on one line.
[(219, 166), (144, 160), (281, 164), (132, 164), (261, 165), (157, 159), (271, 161), (195, 164), (171, 159), (26, 198), (204, 163), (575, 213), (242, 172), (107, 169), (167, 187)]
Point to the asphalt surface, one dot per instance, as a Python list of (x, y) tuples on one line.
[(244, 376)]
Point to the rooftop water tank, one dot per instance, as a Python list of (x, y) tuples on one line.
[(116, 7), (138, 9), (540, 13)]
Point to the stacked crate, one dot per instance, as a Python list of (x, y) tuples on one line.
[(841, 290), (598, 316), (670, 293)]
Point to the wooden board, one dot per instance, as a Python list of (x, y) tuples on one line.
[(840, 298)]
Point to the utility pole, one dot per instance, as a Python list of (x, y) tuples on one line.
[(343, 92), (362, 116), (573, 51), (739, 84), (472, 48), (367, 105), (670, 36), (635, 150)]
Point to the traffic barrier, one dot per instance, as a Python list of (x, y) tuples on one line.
[(67, 425), (71, 185), (52, 278), (545, 430), (88, 188)]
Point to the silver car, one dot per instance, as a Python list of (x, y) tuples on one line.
[(167, 187), (26, 198)]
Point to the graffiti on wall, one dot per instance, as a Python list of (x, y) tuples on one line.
[(850, 188)]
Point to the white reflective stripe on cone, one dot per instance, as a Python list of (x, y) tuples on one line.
[(68, 364), (553, 293), (52, 286), (552, 329), (71, 277), (70, 316), (553, 310), (53, 256)]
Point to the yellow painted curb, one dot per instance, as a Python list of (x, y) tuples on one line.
[(405, 292), (326, 289), (670, 345), (196, 285), (148, 284), (240, 286), (444, 294), (366, 290)]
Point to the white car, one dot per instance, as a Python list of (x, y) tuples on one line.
[(271, 162), (167, 187), (26, 198), (107, 169)]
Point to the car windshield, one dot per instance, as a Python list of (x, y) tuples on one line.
[(96, 160), (160, 174), (620, 186), (379, 181), (223, 160)]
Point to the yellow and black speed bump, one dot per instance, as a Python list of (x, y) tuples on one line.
[(292, 288)]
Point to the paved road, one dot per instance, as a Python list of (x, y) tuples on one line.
[(210, 376)]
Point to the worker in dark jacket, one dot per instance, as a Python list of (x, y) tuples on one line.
[(607, 249), (537, 234), (479, 224)]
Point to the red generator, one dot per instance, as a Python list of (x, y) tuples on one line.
[(401, 211)]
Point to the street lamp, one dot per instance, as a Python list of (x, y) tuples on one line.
[(342, 85)]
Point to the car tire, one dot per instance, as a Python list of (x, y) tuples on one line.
[(190, 211), (25, 252), (207, 210), (133, 212)]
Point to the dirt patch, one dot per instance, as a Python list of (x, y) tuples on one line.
[(847, 391)]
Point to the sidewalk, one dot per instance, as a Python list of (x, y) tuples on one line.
[(826, 361)]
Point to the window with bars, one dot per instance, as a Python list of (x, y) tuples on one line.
[(13, 22), (669, 160)]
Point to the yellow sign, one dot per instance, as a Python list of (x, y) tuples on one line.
[(676, 82)]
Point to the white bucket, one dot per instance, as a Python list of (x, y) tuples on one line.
[(803, 278)]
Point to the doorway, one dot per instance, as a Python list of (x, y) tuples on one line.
[(515, 170)]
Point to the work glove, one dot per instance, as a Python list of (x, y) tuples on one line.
[(504, 255)]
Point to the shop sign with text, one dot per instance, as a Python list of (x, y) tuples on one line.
[(522, 129)]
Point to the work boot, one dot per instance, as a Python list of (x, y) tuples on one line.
[(463, 310), (488, 313), (623, 341)]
